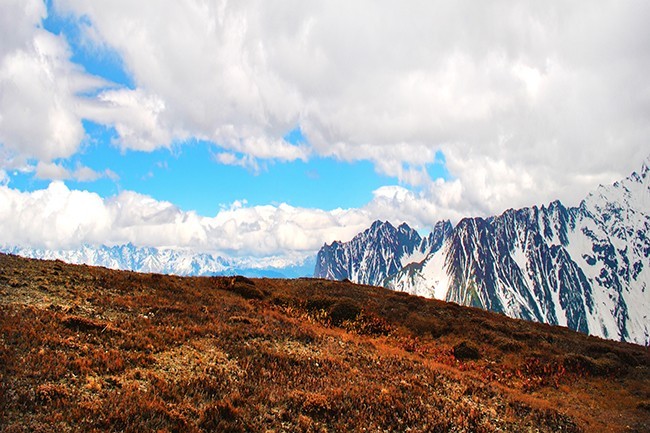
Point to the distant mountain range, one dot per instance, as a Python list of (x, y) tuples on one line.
[(168, 261), (585, 267)]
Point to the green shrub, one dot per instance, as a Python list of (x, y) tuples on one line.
[(466, 350), (343, 311), (603, 366), (318, 303), (422, 325), (247, 291)]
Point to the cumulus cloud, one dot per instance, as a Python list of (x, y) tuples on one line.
[(528, 102), (135, 115), (52, 218), (19, 16), (553, 91), (41, 90), (51, 171), (54, 171), (87, 174), (57, 217), (38, 112), (202, 85), (244, 161)]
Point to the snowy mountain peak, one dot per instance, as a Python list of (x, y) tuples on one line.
[(585, 267), (383, 250), (169, 261)]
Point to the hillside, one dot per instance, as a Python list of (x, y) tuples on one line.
[(91, 349)]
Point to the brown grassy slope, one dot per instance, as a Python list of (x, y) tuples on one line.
[(89, 349)]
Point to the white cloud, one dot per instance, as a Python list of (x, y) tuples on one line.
[(136, 118), (244, 161), (536, 89), (191, 91), (40, 89), (57, 217), (529, 102), (51, 171), (38, 115), (52, 218), (110, 174), (54, 171), (420, 209), (19, 16), (87, 174)]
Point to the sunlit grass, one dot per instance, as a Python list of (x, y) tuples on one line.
[(88, 349)]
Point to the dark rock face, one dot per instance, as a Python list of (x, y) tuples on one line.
[(584, 267), (377, 253), (518, 264)]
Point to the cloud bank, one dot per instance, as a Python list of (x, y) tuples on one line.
[(528, 102), (57, 217), (556, 90)]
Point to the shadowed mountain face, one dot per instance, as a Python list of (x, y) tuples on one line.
[(585, 267), (370, 257), (377, 253)]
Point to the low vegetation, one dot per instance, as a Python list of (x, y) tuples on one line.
[(89, 349)]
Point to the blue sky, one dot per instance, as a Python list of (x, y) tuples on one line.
[(187, 174), (267, 130), (95, 59)]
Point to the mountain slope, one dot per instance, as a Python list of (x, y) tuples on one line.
[(586, 267), (92, 349)]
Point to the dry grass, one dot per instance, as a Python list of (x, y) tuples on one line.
[(89, 349)]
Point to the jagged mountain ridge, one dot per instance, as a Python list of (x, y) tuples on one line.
[(384, 250), (585, 267), (167, 261)]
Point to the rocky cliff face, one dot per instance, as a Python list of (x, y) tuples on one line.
[(377, 253), (584, 267)]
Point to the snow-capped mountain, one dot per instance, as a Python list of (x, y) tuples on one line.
[(377, 253), (169, 261), (585, 267)]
